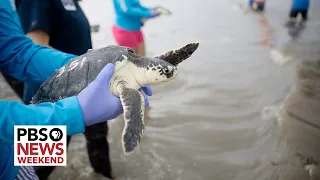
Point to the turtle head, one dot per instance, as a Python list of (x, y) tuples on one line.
[(159, 71), (163, 67)]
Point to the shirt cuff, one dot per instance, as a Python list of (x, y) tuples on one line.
[(75, 122)]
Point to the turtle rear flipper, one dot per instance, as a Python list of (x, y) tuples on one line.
[(133, 107)]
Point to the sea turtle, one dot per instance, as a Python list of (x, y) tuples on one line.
[(131, 73)]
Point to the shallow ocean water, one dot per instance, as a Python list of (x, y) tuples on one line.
[(216, 120)]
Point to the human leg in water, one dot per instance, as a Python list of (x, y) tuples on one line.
[(140, 49), (98, 148), (292, 17), (304, 16), (43, 172)]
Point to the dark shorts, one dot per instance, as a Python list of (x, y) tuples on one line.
[(258, 6), (294, 13)]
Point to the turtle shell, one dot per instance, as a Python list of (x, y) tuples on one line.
[(73, 77)]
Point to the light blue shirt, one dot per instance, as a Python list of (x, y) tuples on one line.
[(28, 62), (129, 14)]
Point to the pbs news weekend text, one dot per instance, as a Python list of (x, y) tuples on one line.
[(40, 146)]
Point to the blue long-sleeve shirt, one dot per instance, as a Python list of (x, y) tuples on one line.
[(129, 14), (28, 62), (300, 4)]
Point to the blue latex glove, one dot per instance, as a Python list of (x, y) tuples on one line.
[(97, 103), (154, 13)]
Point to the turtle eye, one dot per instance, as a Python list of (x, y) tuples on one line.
[(165, 70)]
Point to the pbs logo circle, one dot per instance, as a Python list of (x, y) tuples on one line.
[(56, 134)]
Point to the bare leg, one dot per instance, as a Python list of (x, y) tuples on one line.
[(135, 50), (141, 50), (292, 17), (291, 21), (304, 15)]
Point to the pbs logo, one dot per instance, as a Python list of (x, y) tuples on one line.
[(40, 133), (56, 134)]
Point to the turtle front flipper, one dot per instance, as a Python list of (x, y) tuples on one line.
[(176, 56), (133, 107)]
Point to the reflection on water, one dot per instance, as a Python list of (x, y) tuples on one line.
[(217, 120), (295, 32), (266, 32)]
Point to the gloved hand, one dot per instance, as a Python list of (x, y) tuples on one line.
[(147, 91), (97, 103), (154, 13)]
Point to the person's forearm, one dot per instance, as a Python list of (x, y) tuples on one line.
[(136, 11), (144, 8), (64, 112), (133, 9), (20, 57), (40, 37)]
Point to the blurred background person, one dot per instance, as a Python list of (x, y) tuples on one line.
[(62, 25), (127, 28), (257, 5), (298, 7)]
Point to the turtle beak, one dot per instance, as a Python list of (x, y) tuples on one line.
[(174, 71)]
